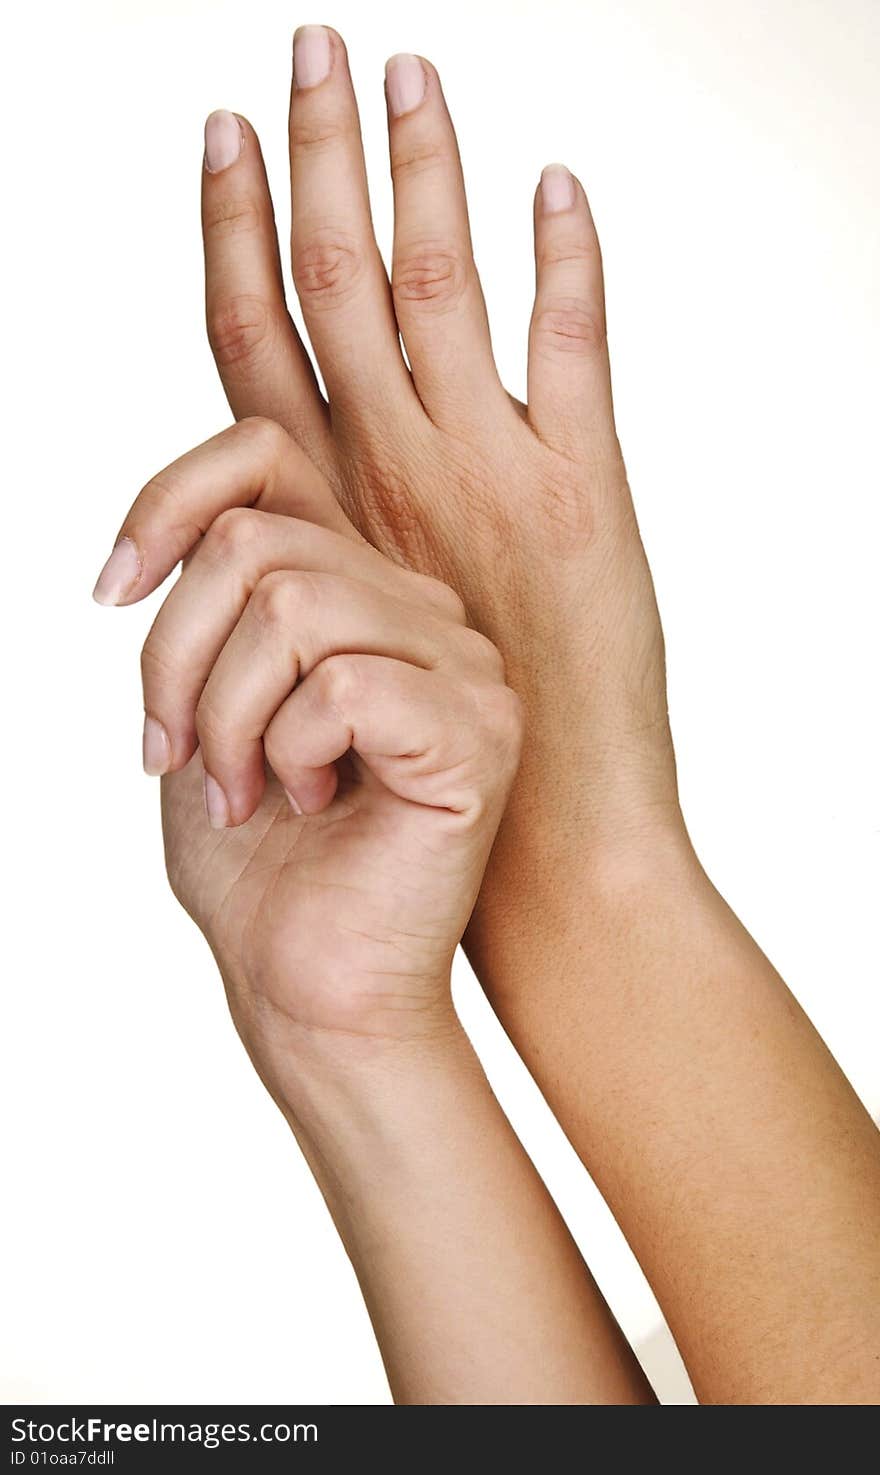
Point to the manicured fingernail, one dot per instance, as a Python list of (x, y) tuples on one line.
[(557, 189), (119, 574), (157, 748), (311, 55), (223, 141), (292, 802), (405, 83), (216, 804)]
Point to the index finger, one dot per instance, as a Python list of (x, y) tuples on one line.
[(249, 463), (260, 357)]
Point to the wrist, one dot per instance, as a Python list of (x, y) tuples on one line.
[(553, 888), (369, 1113), (346, 1060)]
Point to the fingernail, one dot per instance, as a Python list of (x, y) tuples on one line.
[(223, 141), (557, 189), (157, 748), (311, 55), (292, 802), (216, 804), (404, 82), (119, 574)]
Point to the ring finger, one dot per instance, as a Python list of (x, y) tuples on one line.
[(338, 272)]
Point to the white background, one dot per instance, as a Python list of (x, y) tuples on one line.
[(161, 1238)]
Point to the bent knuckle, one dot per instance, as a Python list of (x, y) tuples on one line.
[(326, 269), (212, 727), (164, 501), (283, 597), (158, 664), (429, 277), (438, 596), (568, 326), (239, 327), (482, 653), (267, 435), (503, 716), (233, 534), (444, 599), (339, 680), (277, 743)]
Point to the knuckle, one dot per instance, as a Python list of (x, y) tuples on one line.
[(238, 329), (339, 680), (568, 326), (232, 215), (282, 597), (233, 534), (564, 251), (164, 500), (276, 743), (442, 600), (314, 132), (211, 727), (483, 653), (326, 269), (158, 666), (445, 599), (429, 277), (267, 435), (417, 158), (504, 719)]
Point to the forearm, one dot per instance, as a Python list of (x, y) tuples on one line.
[(740, 1164), (476, 1291)]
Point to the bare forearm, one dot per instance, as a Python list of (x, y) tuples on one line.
[(736, 1157), (476, 1291)]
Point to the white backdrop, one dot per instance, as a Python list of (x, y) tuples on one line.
[(162, 1239)]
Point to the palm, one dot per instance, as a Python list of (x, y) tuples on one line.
[(267, 893)]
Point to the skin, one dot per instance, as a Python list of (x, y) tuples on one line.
[(739, 1163), (337, 746)]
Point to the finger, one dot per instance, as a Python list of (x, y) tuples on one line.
[(417, 730), (201, 610), (569, 376), (437, 295), (292, 621), (338, 272), (263, 365), (254, 461)]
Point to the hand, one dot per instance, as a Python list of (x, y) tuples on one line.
[(339, 905), (289, 639), (525, 511)]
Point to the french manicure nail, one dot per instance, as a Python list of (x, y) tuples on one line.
[(157, 748), (292, 802), (216, 804), (311, 55), (223, 141), (119, 574), (557, 189), (405, 83)]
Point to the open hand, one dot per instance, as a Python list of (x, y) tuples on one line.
[(526, 512)]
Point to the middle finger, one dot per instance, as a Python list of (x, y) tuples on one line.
[(338, 271)]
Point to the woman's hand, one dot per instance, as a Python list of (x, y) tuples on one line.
[(291, 656), (526, 512)]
